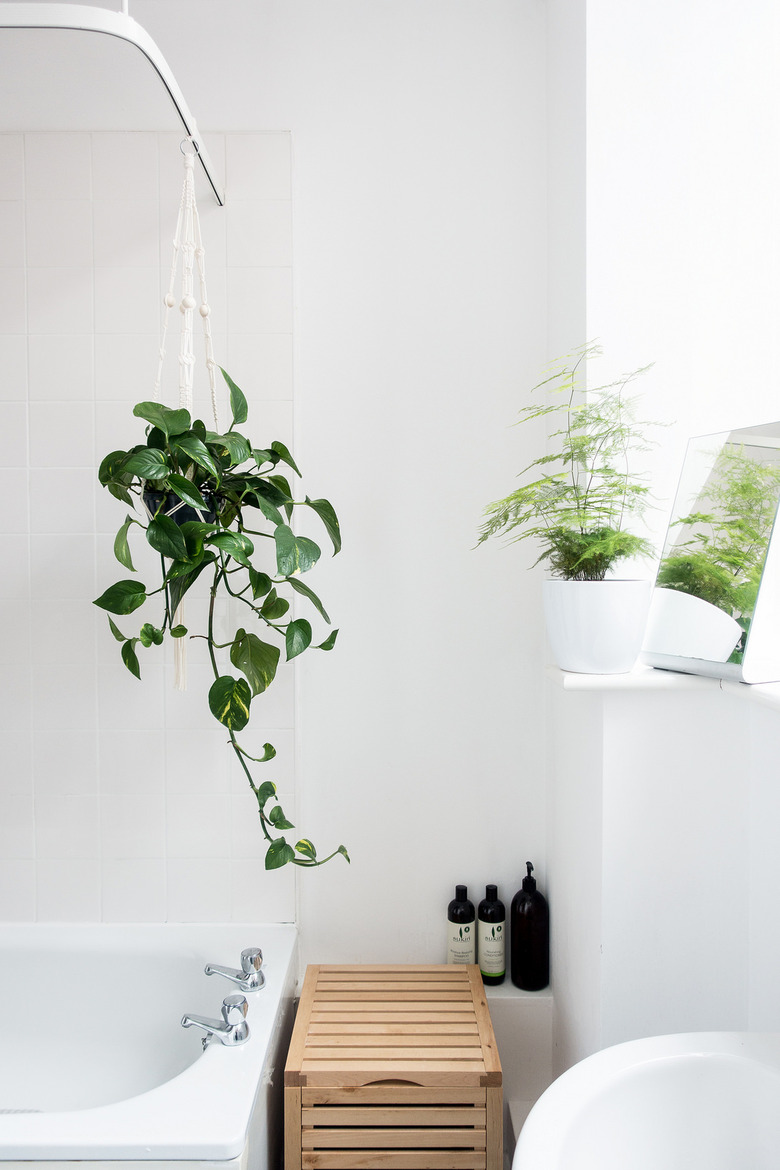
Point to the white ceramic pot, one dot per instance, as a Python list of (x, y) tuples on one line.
[(596, 627)]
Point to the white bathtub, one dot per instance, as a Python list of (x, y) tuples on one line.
[(695, 1101), (91, 1040)]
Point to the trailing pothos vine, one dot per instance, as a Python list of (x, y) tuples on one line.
[(203, 499)]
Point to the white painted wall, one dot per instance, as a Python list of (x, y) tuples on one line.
[(419, 191), (420, 195), (664, 859), (418, 204), (683, 104), (669, 926), (118, 799)]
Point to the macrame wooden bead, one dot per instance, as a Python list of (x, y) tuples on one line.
[(170, 300), (204, 310), (187, 302)]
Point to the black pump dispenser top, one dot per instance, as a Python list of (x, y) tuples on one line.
[(529, 883)]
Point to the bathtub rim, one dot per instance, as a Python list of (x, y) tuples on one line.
[(203, 1113)]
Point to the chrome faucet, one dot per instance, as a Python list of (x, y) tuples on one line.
[(250, 977), (231, 1029)]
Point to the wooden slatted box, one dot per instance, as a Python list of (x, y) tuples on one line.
[(393, 1067)]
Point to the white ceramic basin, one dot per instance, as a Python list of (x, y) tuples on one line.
[(695, 1101)]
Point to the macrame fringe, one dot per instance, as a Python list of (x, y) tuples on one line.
[(188, 243)]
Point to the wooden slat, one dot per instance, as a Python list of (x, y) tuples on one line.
[(456, 995), (393, 1160), (300, 1028), (385, 1115), (423, 1039), (422, 987), (441, 1011), (495, 1126), (338, 1013), (426, 970), (392, 1095), (489, 1046), (424, 1072), (292, 1128), (398, 1056), (346, 1027), (334, 1139)]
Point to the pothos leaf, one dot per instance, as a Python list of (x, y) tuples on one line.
[(257, 660), (147, 463), (329, 642), (327, 515), (261, 583), (278, 819), (130, 658), (150, 635), (269, 751), (279, 853), (120, 637), (122, 598), (238, 404), (274, 606), (236, 446), (306, 847), (235, 544), (305, 591), (265, 792), (193, 448), (121, 547), (185, 489), (170, 422), (165, 536), (297, 637), (229, 700), (294, 554), (284, 455)]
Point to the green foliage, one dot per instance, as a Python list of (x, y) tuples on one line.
[(234, 500), (723, 558), (577, 508)]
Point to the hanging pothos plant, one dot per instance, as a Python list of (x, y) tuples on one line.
[(202, 497)]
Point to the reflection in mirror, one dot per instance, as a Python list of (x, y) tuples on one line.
[(716, 605)]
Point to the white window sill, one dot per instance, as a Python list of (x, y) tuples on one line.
[(648, 678)]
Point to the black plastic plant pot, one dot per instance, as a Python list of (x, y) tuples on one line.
[(176, 509)]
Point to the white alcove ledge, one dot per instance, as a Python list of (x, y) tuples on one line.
[(644, 679)]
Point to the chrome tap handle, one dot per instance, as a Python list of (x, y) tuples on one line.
[(231, 1029), (251, 960), (249, 977), (234, 1009)]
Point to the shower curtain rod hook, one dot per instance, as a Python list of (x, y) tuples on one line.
[(189, 142)]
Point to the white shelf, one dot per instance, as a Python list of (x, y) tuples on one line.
[(648, 678), (507, 990)]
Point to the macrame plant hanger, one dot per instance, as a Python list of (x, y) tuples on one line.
[(187, 244)]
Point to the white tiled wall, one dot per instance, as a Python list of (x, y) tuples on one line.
[(118, 799)]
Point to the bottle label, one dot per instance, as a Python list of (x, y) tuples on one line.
[(461, 940), (490, 937)]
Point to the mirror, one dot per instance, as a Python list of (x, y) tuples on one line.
[(716, 603)]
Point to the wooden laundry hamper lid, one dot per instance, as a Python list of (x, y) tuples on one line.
[(393, 1066)]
